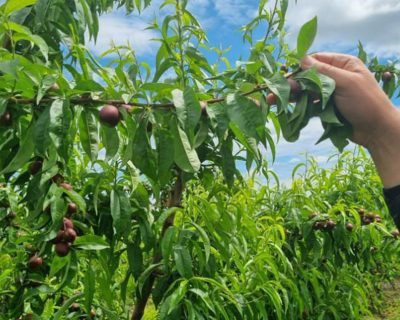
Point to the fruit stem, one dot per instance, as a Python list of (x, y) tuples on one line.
[(175, 200)]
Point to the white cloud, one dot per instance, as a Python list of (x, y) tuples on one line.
[(342, 23), (120, 29)]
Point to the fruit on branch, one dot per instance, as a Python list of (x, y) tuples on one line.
[(68, 224), (272, 99), (72, 208), (35, 262), (66, 186), (35, 167), (396, 234), (284, 68), (330, 225), (378, 218), (75, 307), (312, 215), (60, 237), (62, 249), (387, 76), (70, 235), (349, 227), (361, 211), (6, 119), (58, 178), (109, 115), (295, 90), (11, 215), (319, 225), (366, 221)]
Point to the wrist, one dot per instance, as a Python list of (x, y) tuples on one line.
[(384, 148)]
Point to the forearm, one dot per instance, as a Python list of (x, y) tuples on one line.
[(385, 151)]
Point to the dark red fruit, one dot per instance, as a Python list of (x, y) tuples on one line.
[(62, 249), (284, 68), (109, 115), (349, 227), (313, 215), (66, 186), (330, 224), (35, 167), (12, 215), (68, 224), (395, 234), (75, 307), (272, 99), (58, 178), (72, 208), (295, 89), (387, 76), (70, 235), (366, 221), (361, 212), (6, 119), (60, 237), (319, 225), (371, 216), (35, 262)]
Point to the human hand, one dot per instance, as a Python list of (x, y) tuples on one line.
[(362, 102), (358, 96)]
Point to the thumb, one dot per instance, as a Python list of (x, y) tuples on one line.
[(329, 70)]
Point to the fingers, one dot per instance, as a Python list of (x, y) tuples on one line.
[(336, 73), (342, 61)]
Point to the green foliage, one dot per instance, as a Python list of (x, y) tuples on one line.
[(162, 213)]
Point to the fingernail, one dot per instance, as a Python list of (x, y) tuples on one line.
[(307, 62)]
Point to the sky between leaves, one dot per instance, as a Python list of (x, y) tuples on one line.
[(341, 24)]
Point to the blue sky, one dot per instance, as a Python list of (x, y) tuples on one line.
[(341, 24)]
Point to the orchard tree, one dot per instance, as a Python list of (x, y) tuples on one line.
[(95, 158)]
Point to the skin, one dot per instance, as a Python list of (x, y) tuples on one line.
[(360, 99)]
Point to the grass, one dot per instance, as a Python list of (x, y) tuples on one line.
[(391, 306)]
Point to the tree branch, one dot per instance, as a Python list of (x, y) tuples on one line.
[(168, 105), (175, 200)]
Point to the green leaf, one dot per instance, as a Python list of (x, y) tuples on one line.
[(59, 125), (120, 211), (183, 261), (88, 134), (110, 141), (91, 242), (306, 37), (245, 114), (167, 243), (185, 157), (89, 284), (188, 110), (14, 5), (24, 152)]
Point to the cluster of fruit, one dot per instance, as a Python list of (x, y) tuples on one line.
[(368, 218), (65, 238)]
